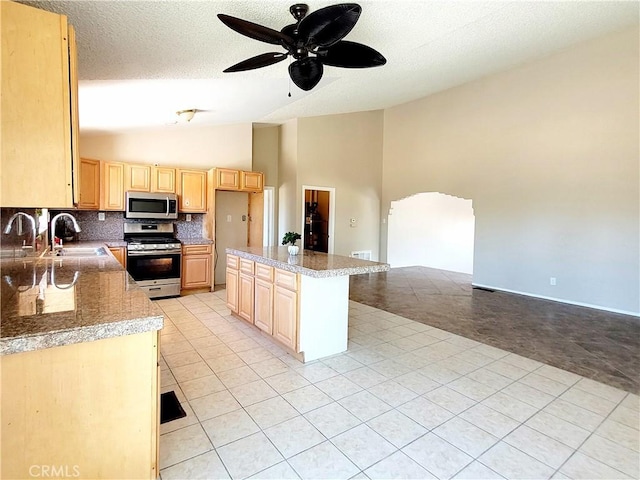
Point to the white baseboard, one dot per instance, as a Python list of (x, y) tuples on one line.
[(560, 300)]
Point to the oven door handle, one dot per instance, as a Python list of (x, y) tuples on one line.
[(146, 253), (167, 214)]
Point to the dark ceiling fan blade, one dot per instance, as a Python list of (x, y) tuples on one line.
[(258, 61), (350, 55), (306, 73), (255, 31), (328, 25)]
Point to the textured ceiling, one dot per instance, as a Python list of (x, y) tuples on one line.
[(141, 61)]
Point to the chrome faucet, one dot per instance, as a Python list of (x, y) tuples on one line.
[(31, 219), (52, 231)]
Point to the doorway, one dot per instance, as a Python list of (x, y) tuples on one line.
[(318, 209)]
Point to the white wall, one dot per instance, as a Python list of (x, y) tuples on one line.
[(548, 153), (185, 146), (432, 230)]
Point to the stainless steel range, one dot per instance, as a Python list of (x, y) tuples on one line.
[(154, 258)]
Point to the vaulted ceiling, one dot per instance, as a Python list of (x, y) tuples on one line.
[(141, 61)]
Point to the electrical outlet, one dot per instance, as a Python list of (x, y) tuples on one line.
[(188, 217), (101, 216), (552, 281), (229, 218)]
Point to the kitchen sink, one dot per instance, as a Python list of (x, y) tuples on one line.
[(80, 252)]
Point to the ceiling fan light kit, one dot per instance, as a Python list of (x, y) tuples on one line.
[(313, 41), (185, 116)]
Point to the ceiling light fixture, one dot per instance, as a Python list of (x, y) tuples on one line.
[(185, 116)]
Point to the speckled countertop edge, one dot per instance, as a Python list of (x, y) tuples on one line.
[(195, 241), (153, 320), (318, 265)]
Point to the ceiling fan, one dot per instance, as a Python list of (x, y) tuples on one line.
[(313, 41)]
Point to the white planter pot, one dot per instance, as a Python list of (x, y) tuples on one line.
[(293, 249)]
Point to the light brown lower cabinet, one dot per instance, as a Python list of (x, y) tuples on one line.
[(196, 266), (245, 297), (121, 255), (285, 310), (232, 289), (88, 409), (263, 315)]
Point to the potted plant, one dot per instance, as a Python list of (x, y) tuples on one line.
[(291, 238)]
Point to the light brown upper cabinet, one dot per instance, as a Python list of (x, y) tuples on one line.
[(227, 179), (238, 180), (89, 184), (138, 178), (39, 89), (251, 181), (112, 186), (163, 180), (192, 191)]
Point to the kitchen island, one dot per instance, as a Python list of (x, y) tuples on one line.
[(301, 300), (79, 360)]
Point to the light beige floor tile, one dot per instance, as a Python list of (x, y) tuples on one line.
[(589, 401), (365, 377), (412, 361), (173, 338), (527, 394), (512, 463), (489, 378), (252, 392), (215, 351), (389, 368), (205, 342), (626, 416), (323, 461), (242, 345), (417, 382), (489, 420), (458, 365), (207, 466), (632, 402), (316, 372), (271, 412), (175, 347), (366, 356), (363, 446), (286, 382), (466, 436), (181, 359), (338, 387), (449, 399), (601, 390), (476, 471), (280, 471), (544, 384), (189, 419), (507, 370), (307, 398), (580, 466), (342, 363), (392, 393), (539, 446), (214, 404), (558, 429), (255, 355), (229, 427), (397, 428), (202, 386), (364, 405), (238, 376), (439, 457), (397, 466), (199, 332), (231, 336), (332, 419), (191, 371), (489, 351), (167, 378), (472, 389), (510, 407), (183, 444), (572, 413), (270, 367), (249, 455), (406, 344), (612, 454), (294, 436), (425, 412), (559, 375), (522, 362)]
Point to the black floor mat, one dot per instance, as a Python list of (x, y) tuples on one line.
[(170, 408)]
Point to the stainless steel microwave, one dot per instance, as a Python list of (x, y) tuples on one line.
[(158, 206)]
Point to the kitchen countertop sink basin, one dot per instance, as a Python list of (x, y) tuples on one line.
[(80, 252)]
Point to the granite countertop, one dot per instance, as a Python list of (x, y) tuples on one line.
[(308, 262), (54, 301), (195, 241)]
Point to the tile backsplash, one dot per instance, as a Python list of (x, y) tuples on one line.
[(92, 228)]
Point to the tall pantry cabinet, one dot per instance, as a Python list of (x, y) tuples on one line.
[(38, 109)]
